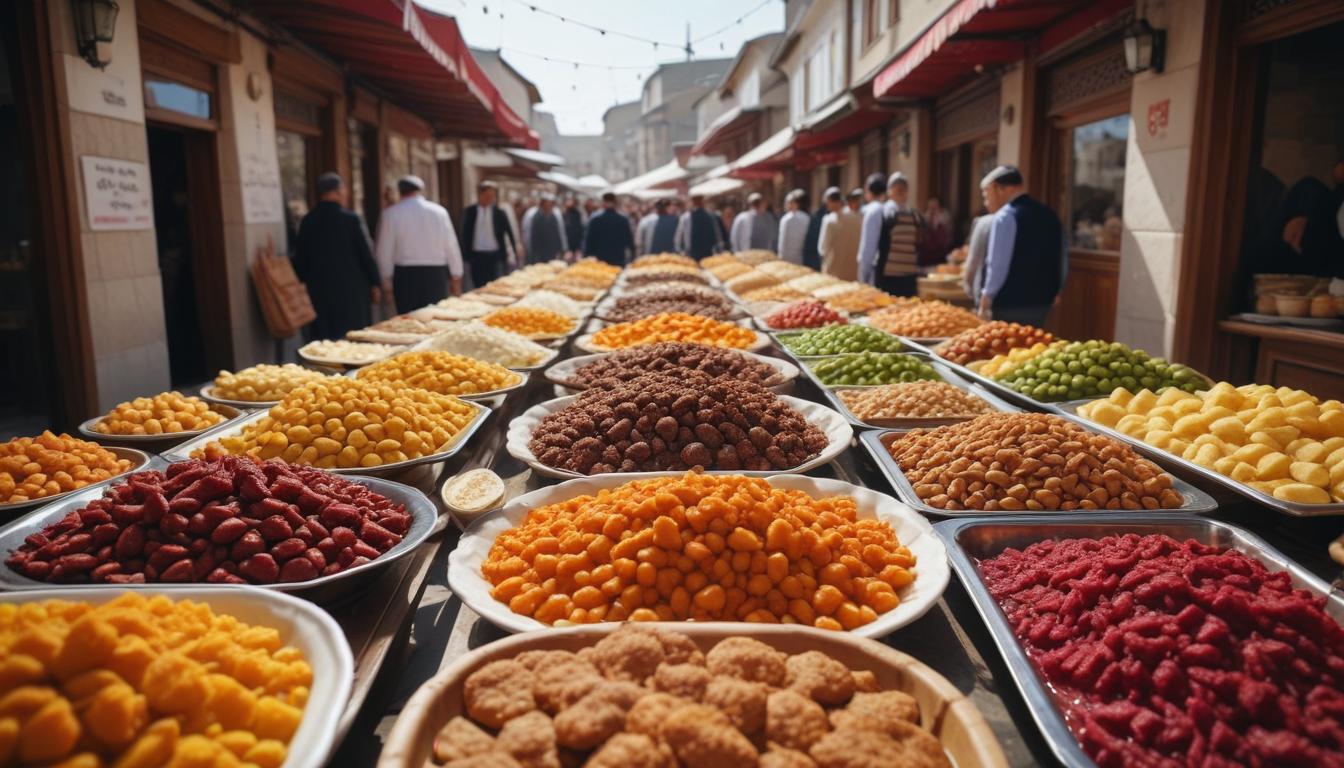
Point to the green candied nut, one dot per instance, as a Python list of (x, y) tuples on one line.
[(869, 368), (1089, 369), (840, 339)]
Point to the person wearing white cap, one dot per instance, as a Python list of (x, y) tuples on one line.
[(839, 238), (1026, 263), (897, 269), (739, 237), (544, 231), (417, 251), (871, 241)]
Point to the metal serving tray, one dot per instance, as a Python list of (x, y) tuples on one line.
[(946, 374), (1197, 502), (207, 394), (447, 451), (785, 372), (140, 462), (1171, 461), (973, 539), (323, 589), (166, 440)]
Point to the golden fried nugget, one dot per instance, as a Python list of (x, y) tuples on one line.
[(748, 659), (916, 748), (632, 750), (884, 712), (626, 654), (741, 700), (686, 680), (677, 648), (819, 677), (485, 760), (702, 736), (559, 686), (461, 738), (530, 739), (792, 720), (498, 692), (622, 693), (779, 757), (598, 715), (648, 714), (540, 661), (866, 681)]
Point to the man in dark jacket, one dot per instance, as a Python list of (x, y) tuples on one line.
[(699, 233), (484, 229), (609, 236), (334, 259), (811, 243), (573, 216), (1025, 267)]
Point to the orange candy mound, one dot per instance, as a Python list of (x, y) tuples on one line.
[(37, 467), (700, 547), (530, 322), (675, 326)]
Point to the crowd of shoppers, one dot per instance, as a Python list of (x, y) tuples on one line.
[(1015, 254)]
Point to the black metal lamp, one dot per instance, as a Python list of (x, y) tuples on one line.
[(95, 23), (1145, 47)]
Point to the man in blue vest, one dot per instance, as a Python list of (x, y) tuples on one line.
[(1026, 263)]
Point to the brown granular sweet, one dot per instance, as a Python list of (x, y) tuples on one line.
[(674, 357), (669, 276), (678, 421), (628, 309)]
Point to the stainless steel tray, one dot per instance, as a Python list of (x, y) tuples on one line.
[(141, 461), (208, 394), (973, 539), (457, 443), (1174, 463), (946, 374), (162, 441), (1196, 501), (558, 374), (323, 589)]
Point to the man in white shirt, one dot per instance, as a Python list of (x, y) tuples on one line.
[(839, 240), (417, 250), (793, 227), (739, 237), (544, 231), (870, 237), (644, 230), (485, 231)]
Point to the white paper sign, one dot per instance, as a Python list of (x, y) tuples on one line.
[(117, 194), (261, 189)]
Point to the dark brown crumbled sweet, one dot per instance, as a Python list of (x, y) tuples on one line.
[(673, 357)]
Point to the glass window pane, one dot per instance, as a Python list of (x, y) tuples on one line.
[(292, 151), (176, 97), (1097, 183)]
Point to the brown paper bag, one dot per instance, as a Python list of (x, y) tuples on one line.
[(284, 300)]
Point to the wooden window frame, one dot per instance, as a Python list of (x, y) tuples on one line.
[(870, 31)]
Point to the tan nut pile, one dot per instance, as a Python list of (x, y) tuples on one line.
[(1028, 461), (649, 698), (913, 400)]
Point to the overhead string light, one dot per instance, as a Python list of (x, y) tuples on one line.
[(593, 27), (578, 64)]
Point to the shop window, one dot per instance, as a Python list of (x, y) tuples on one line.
[(1096, 183), (177, 97), (871, 15), (296, 154)]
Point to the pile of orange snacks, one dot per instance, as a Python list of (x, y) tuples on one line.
[(989, 340), (703, 547), (141, 682), (38, 467), (162, 414), (925, 320), (346, 423), (441, 372), (674, 326), (530, 322)]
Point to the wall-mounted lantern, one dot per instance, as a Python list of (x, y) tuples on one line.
[(1145, 47), (95, 23)]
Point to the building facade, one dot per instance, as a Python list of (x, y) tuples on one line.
[(667, 114)]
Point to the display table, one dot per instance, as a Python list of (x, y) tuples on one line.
[(414, 603), (1288, 356)]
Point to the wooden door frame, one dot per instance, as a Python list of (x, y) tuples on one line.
[(55, 219), (1219, 172)]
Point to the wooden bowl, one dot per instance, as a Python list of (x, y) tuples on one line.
[(944, 711)]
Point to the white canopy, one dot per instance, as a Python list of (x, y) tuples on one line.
[(562, 179), (719, 186), (594, 182), (535, 157), (658, 176), (765, 150)]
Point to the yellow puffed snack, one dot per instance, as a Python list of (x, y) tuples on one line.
[(348, 423), (263, 383), (441, 372), (1281, 441), (162, 414), (144, 682)]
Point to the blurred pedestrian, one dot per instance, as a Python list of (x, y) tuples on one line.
[(418, 253), (698, 231), (871, 241), (1026, 263), (812, 242), (839, 238), (854, 200), (897, 268), (333, 259), (936, 240), (485, 232), (608, 236), (573, 225), (664, 235), (793, 227), (544, 231)]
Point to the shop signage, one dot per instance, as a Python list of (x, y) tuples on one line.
[(117, 194), (261, 188), (1159, 114)]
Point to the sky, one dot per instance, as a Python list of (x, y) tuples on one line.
[(578, 96)]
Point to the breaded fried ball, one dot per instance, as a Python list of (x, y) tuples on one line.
[(677, 648), (792, 720), (485, 760), (914, 748), (541, 660), (819, 677), (597, 716), (866, 681), (632, 750), (748, 659), (884, 712), (779, 757), (702, 736), (686, 680), (741, 700), (530, 739), (559, 686), (626, 654), (461, 738), (499, 692), (649, 713)]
